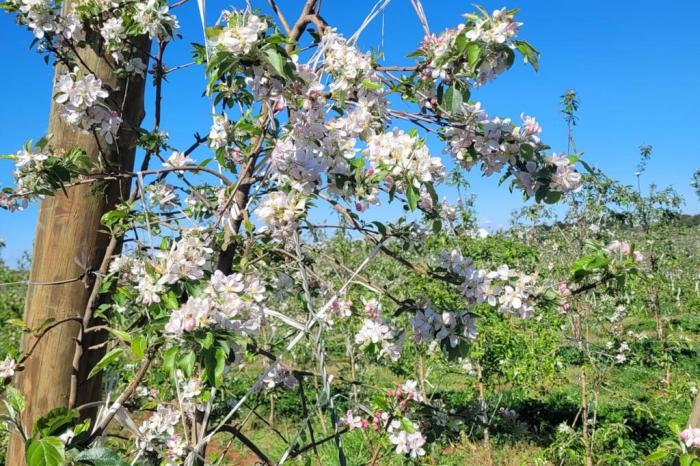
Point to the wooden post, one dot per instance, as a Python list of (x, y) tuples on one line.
[(68, 243), (694, 419)]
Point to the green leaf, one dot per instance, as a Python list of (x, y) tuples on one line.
[(657, 455), (15, 399), (121, 334), (106, 360), (529, 53), (214, 364), (277, 60), (407, 425), (553, 197), (169, 359), (186, 364), (170, 300), (412, 196), (380, 227), (474, 52), (371, 85), (54, 422), (138, 346), (452, 100), (48, 451), (431, 190), (99, 456)]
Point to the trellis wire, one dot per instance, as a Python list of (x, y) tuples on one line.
[(376, 9), (418, 6)]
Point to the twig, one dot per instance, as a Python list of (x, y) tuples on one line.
[(280, 16)]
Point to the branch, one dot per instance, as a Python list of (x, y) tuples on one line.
[(126, 394), (46, 330), (280, 16), (604, 279), (247, 442)]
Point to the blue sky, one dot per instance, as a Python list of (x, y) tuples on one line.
[(633, 64)]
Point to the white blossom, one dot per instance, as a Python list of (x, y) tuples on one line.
[(154, 19), (407, 442), (7, 368), (241, 33), (280, 213)]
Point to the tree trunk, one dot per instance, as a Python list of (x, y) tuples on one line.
[(68, 243)]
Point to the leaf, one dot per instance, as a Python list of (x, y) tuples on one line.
[(169, 360), (138, 346), (407, 425), (121, 334), (553, 197), (474, 53), (16, 323), (54, 422), (380, 227), (431, 190), (452, 100), (214, 364), (371, 85), (170, 300), (412, 196), (99, 456), (529, 53), (106, 360), (186, 363), (48, 451), (15, 399), (657, 455), (278, 61)]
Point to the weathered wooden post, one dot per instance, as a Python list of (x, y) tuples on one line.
[(68, 243)]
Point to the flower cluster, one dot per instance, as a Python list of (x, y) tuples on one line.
[(219, 132), (163, 196), (184, 260), (7, 368), (620, 357), (496, 143), (277, 376), (44, 19), (622, 249), (488, 41), (565, 178), (405, 159), (405, 393), (280, 212), (80, 100), (430, 326), (241, 33), (29, 162), (405, 435), (153, 18), (229, 302), (114, 34), (511, 292), (313, 145), (340, 308), (158, 434), (350, 68), (377, 333), (178, 160), (353, 422), (691, 437)]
